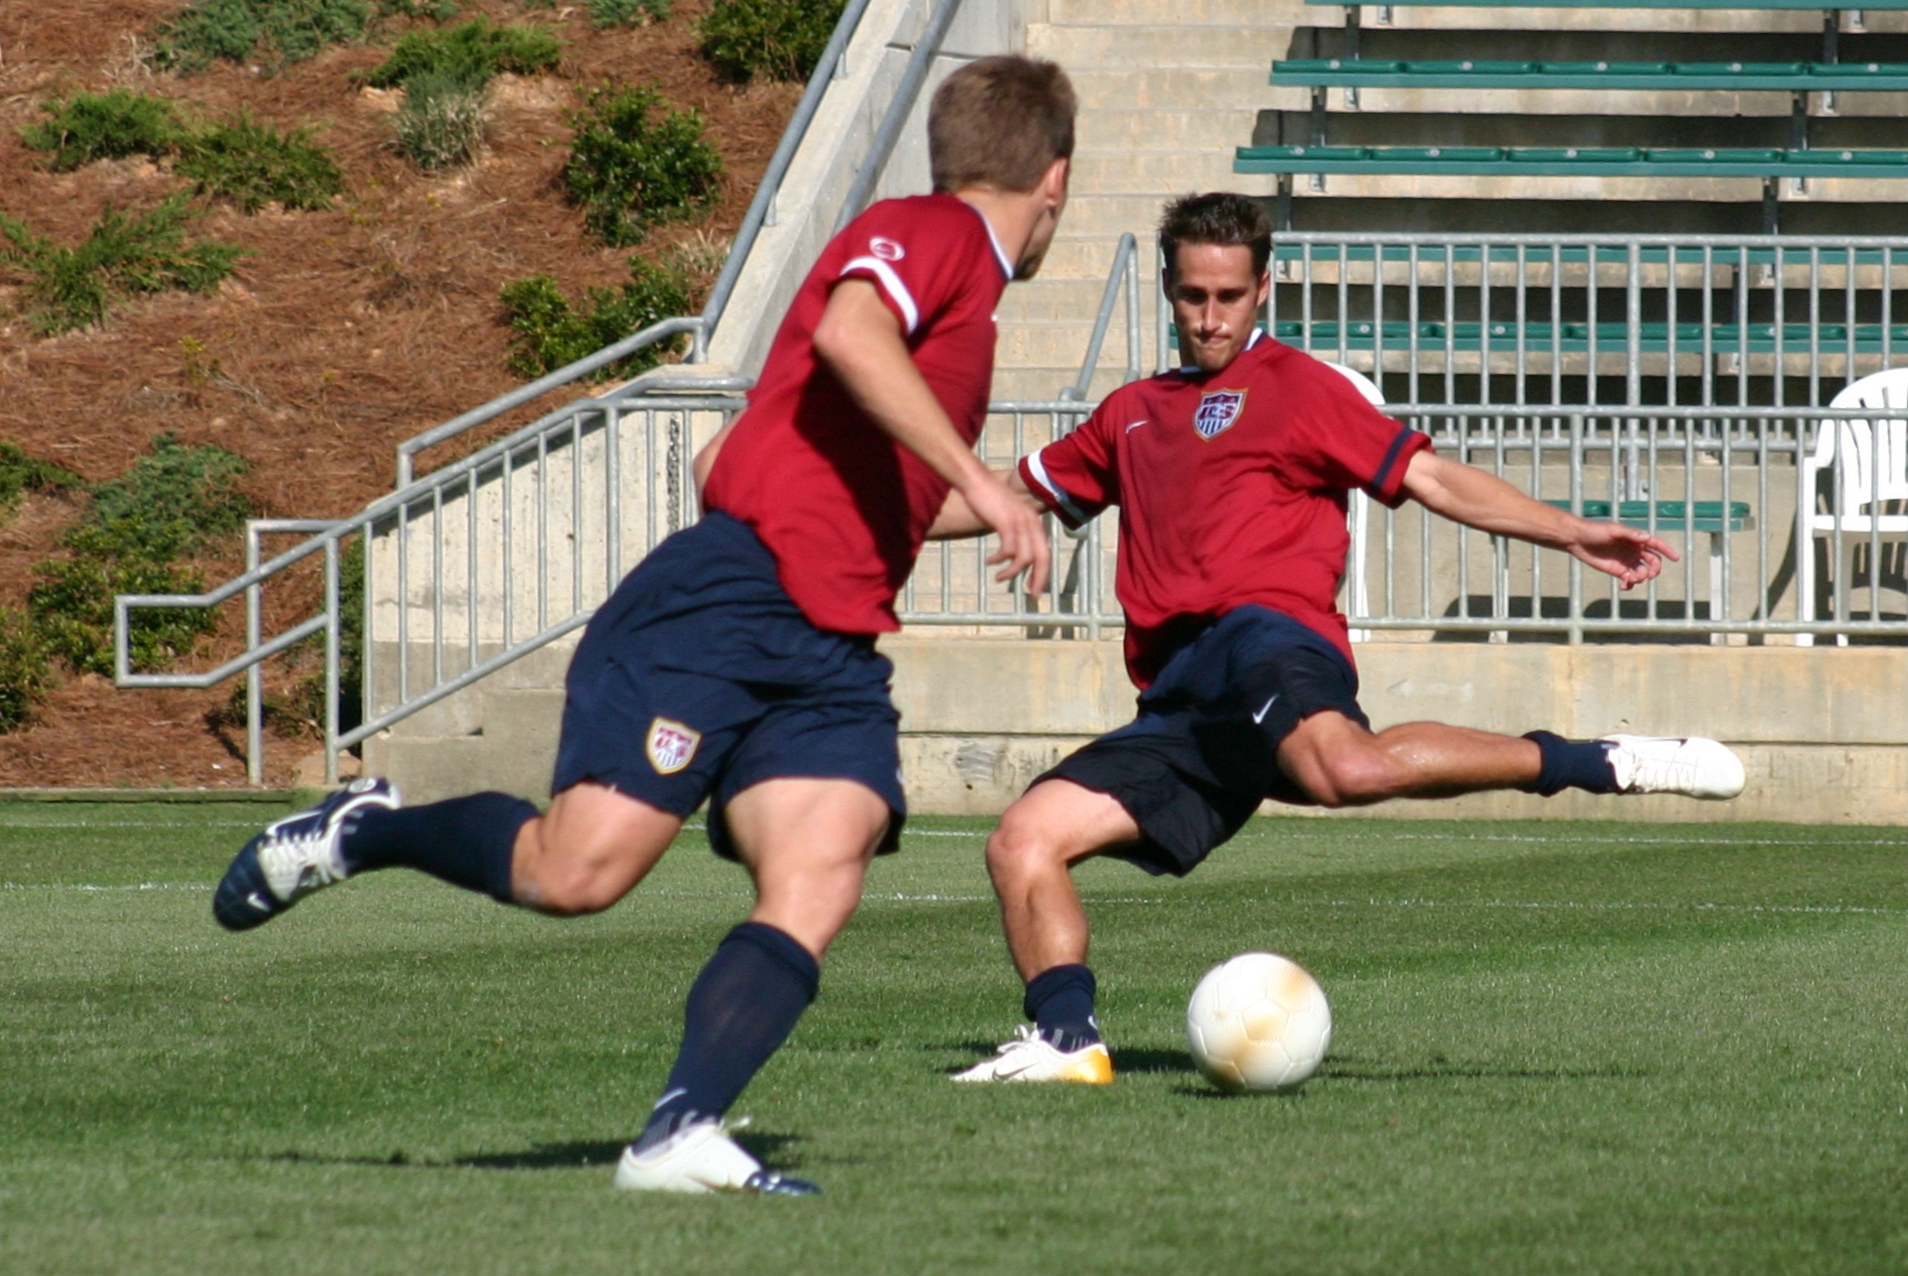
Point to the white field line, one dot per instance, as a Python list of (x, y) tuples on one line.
[(940, 897)]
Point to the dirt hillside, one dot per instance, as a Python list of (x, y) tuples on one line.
[(343, 331)]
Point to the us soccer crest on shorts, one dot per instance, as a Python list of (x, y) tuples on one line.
[(1217, 410), (671, 745)]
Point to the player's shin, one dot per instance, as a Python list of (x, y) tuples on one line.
[(466, 841), (741, 1009)]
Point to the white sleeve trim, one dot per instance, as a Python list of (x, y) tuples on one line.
[(1073, 513), (891, 284)]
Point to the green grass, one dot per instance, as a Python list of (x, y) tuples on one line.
[(1559, 1048)]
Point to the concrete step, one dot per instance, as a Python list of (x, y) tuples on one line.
[(1088, 48), (1166, 172), (1156, 88), (1227, 13), (1108, 216), (1169, 130)]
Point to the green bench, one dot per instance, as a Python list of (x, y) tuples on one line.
[(1577, 338), (1870, 6), (1774, 77), (1674, 516), (1572, 161)]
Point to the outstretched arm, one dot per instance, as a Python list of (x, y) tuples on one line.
[(1465, 494), (957, 520), (860, 341)]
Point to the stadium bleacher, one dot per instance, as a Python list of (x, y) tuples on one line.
[(1664, 128)]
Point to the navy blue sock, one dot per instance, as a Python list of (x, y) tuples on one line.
[(1582, 764), (741, 1009), (466, 841), (1060, 1002)]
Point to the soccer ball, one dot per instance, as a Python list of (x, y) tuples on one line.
[(1258, 1022)]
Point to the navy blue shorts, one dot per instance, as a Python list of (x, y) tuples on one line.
[(1203, 753), (699, 677)]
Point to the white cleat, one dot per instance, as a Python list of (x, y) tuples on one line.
[(1030, 1057), (702, 1158), (1689, 765)]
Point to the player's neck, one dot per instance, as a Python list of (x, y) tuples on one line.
[(1011, 215)]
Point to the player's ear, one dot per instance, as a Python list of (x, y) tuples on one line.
[(1053, 183), (1265, 287)]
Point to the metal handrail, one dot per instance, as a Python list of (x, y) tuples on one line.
[(1125, 270), (899, 108)]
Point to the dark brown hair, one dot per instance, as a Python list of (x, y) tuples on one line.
[(998, 122), (1218, 217)]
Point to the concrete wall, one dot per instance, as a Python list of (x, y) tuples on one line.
[(1820, 729)]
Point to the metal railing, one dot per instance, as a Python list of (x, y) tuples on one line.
[(1594, 320), (1122, 277), (1722, 485)]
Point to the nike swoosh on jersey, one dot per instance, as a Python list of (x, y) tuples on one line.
[(1264, 709), (1134, 425)]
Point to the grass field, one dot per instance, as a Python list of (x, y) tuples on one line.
[(1559, 1047)]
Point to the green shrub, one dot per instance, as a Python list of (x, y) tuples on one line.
[(627, 13), (283, 31), (547, 331), (473, 52), (437, 9), (25, 677), (96, 126), (71, 605), (20, 473), (69, 288), (442, 121), (775, 39), (168, 504), (253, 165), (630, 167)]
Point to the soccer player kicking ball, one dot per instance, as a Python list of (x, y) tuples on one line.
[(737, 663), (1232, 476)]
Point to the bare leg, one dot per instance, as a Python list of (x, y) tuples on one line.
[(807, 843), (1053, 826), (589, 850), (1339, 763)]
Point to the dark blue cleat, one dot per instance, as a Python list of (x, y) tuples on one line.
[(294, 856)]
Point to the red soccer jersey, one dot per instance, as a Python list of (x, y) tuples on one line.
[(1232, 490), (842, 506)]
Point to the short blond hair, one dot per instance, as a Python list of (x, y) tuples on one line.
[(1000, 122)]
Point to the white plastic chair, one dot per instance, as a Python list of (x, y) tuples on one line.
[(1358, 518), (1869, 461)]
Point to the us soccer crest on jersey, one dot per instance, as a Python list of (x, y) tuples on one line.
[(1217, 410), (671, 745)]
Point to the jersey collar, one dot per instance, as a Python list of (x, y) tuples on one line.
[(1192, 369), (1000, 254)]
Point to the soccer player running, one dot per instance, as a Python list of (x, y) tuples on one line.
[(1232, 476), (737, 662)]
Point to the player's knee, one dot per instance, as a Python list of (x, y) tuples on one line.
[(1351, 777), (1019, 847)]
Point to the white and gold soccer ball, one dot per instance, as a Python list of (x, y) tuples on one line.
[(1258, 1022)]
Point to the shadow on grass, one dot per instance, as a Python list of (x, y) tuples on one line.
[(1438, 1068), (1124, 1061), (770, 1149)]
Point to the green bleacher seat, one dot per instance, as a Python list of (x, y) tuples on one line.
[(1713, 155), (1576, 338), (1556, 154), (1873, 6), (1785, 77), (1477, 161), (1675, 516)]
